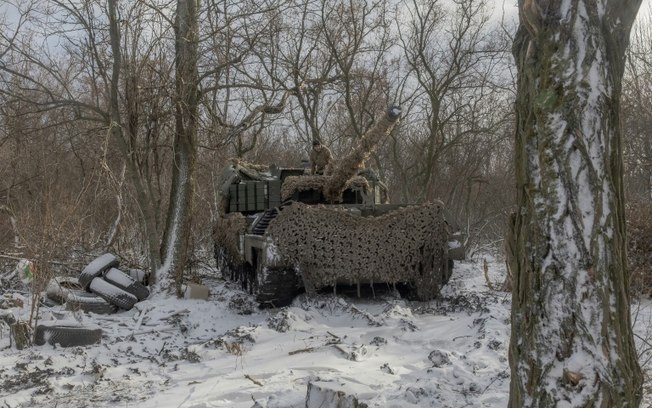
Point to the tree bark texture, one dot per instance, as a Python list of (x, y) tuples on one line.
[(572, 342), (177, 233)]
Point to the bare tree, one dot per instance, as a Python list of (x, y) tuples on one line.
[(637, 113), (124, 118), (458, 107), (97, 81), (177, 233), (240, 95), (331, 57), (572, 341), (357, 36)]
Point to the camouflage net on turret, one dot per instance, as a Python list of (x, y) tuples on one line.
[(317, 183), (329, 246), (242, 164)]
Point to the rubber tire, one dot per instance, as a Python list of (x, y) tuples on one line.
[(67, 335), (139, 275), (88, 302), (96, 268), (126, 283), (59, 287), (112, 294)]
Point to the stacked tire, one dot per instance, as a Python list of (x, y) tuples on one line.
[(103, 278), (68, 291), (101, 288)]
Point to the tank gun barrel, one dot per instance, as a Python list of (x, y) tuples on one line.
[(349, 166)]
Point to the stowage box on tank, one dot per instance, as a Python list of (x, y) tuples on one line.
[(282, 231)]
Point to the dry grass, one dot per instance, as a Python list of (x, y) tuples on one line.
[(639, 246)]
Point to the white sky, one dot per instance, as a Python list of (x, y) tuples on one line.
[(506, 8)]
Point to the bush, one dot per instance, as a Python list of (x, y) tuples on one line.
[(639, 245)]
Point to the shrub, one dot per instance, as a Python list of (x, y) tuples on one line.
[(639, 244)]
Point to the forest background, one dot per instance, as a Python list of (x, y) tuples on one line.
[(103, 105)]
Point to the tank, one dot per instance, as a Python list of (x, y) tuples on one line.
[(283, 231)]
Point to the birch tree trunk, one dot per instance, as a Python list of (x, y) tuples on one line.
[(572, 343), (177, 233)]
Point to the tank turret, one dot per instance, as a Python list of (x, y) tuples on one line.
[(347, 182)]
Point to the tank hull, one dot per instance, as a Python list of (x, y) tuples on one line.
[(308, 248)]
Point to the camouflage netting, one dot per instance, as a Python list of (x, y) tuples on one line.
[(304, 183), (241, 164), (329, 246), (226, 233)]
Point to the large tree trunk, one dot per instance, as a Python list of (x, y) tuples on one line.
[(177, 233), (572, 343)]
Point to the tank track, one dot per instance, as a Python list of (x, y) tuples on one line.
[(276, 287), (272, 286)]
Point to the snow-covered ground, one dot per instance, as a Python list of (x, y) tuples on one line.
[(225, 352)]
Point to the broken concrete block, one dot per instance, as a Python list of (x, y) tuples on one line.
[(330, 394), (196, 291)]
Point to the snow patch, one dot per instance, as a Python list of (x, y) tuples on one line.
[(175, 352)]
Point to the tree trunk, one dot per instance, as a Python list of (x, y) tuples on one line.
[(116, 128), (572, 343), (177, 233)]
